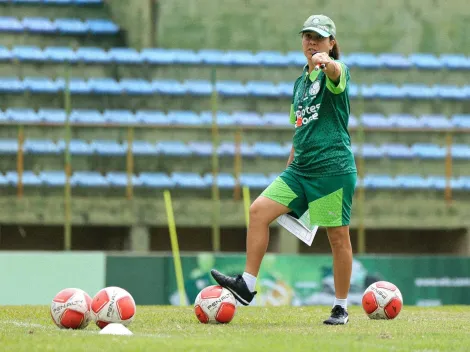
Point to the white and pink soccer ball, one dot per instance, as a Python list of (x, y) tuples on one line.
[(382, 300), (215, 305), (112, 305), (70, 309)]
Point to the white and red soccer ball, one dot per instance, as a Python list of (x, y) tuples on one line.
[(382, 300), (215, 305), (112, 305), (70, 309)]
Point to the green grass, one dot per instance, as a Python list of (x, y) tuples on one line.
[(158, 328)]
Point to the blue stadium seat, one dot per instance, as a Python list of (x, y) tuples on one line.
[(364, 60), (173, 148), (242, 58), (156, 180), (108, 148), (272, 58), (296, 58), (270, 149), (412, 182), (119, 117), (86, 116), (3, 117), (169, 86), (52, 115), (28, 178), (246, 118), (272, 176), (397, 151), (372, 181), (428, 151), (93, 55), (88, 179), (419, 91), (52, 178), (286, 88), (151, 117), (461, 121), (3, 181), (76, 85), (277, 119), (405, 121), (223, 118), (188, 180), (186, 56), (425, 61), (22, 115), (254, 180), (40, 85), (371, 151), (8, 146), (228, 149), (119, 179), (214, 57), (436, 121), (353, 122), (10, 24), (450, 92), (262, 89), (455, 61), (38, 25), (28, 53), (144, 148), (467, 90), (394, 61), (376, 121), (136, 86), (26, 1), (40, 146), (157, 56), (354, 90), (181, 117), (5, 54), (231, 88), (383, 91), (125, 56), (200, 148), (440, 183), (460, 151), (60, 54), (77, 147), (104, 86), (88, 2), (71, 26), (101, 26), (58, 2), (198, 87), (11, 85), (224, 180)]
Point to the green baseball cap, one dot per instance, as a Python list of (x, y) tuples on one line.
[(321, 24)]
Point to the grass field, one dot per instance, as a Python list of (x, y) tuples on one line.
[(30, 328)]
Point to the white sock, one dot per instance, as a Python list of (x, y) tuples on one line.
[(341, 302), (250, 281)]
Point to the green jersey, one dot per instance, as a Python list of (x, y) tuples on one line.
[(320, 114)]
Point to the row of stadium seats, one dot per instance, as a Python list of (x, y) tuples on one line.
[(224, 180), (239, 118), (139, 87), (64, 26), (52, 2), (204, 148), (163, 56)]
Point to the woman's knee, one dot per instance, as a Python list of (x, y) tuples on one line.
[(339, 237), (264, 210)]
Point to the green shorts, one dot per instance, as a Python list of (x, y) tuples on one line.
[(328, 199)]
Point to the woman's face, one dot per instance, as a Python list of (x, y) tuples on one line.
[(314, 42)]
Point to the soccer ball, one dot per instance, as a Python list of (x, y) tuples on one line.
[(215, 305), (112, 305), (70, 309), (382, 300)]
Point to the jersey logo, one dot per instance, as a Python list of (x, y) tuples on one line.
[(314, 88)]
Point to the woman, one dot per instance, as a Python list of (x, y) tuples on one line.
[(321, 174)]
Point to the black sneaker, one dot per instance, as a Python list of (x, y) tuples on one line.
[(339, 316), (236, 285)]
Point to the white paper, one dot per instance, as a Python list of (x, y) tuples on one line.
[(301, 228)]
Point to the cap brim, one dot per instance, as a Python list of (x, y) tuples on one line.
[(317, 30)]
